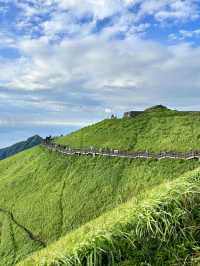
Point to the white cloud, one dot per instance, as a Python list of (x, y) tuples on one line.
[(108, 111), (60, 123), (7, 41), (189, 34), (63, 15), (81, 75), (41, 123), (99, 8), (160, 9), (126, 71), (184, 34), (163, 10)]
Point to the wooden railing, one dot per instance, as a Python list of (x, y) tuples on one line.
[(123, 154)]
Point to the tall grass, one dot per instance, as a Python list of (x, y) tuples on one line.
[(163, 229), (67, 202), (52, 195)]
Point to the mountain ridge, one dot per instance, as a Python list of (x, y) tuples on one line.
[(66, 201), (154, 130), (20, 146)]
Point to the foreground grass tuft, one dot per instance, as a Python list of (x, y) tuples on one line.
[(162, 229)]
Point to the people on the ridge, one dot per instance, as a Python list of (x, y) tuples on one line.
[(48, 139)]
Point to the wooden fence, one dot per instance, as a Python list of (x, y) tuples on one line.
[(122, 154)]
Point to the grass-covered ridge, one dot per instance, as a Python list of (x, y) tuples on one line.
[(102, 210), (162, 229), (20, 146), (45, 195), (154, 130)]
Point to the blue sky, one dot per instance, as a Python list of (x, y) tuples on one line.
[(68, 63)]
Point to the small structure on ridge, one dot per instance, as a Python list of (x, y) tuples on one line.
[(132, 114)]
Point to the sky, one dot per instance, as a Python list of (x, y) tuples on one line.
[(65, 64)]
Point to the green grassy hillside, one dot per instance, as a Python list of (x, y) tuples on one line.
[(82, 210), (153, 130), (45, 195), (161, 229)]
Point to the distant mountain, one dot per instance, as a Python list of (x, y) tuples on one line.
[(20, 146)]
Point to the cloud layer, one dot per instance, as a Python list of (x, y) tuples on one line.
[(68, 62)]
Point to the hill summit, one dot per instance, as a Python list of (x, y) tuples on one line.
[(158, 107), (156, 129)]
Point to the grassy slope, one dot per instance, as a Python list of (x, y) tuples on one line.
[(154, 131), (162, 229), (50, 195), (45, 196)]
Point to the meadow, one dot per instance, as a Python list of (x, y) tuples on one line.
[(161, 229), (82, 210), (52, 195)]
